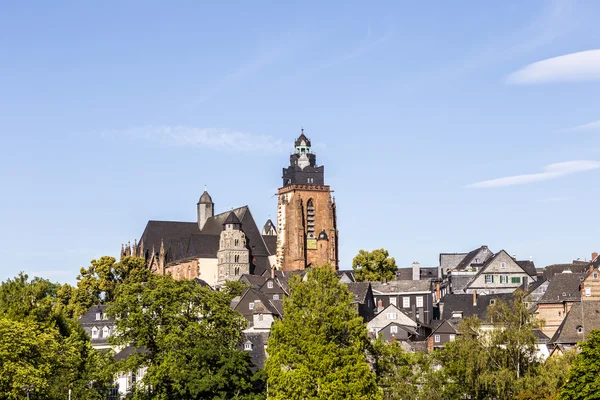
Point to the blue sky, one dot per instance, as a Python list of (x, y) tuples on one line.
[(441, 128)]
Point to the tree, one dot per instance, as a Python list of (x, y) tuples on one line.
[(546, 380), (376, 265), (188, 336), (584, 376), (398, 372), (318, 351), (97, 283), (43, 348)]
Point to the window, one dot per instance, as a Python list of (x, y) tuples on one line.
[(237, 242), (248, 346), (406, 302), (275, 297), (588, 291), (452, 338), (502, 265), (270, 284), (393, 329), (515, 279), (391, 315), (436, 338), (503, 278), (489, 279), (95, 332), (595, 275), (419, 301), (106, 331), (393, 301), (580, 329), (251, 306), (260, 317), (98, 316)]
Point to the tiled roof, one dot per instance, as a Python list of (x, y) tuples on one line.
[(575, 267), (454, 303), (563, 287), (402, 286), (567, 332)]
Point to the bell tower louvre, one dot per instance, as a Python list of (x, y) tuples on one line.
[(306, 213)]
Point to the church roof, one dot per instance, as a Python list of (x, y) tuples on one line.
[(232, 219), (301, 138), (205, 198)]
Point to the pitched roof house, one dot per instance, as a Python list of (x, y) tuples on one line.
[(562, 292), (582, 318), (501, 273)]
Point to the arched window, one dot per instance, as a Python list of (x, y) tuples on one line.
[(310, 217), (237, 242), (580, 329)]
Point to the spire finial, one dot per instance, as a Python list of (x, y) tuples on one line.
[(205, 188)]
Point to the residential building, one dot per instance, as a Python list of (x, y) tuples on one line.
[(98, 326), (388, 315), (362, 299), (562, 293), (582, 318), (415, 298), (444, 333), (590, 286)]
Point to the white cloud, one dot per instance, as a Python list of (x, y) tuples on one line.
[(550, 171), (574, 67), (213, 138), (591, 126)]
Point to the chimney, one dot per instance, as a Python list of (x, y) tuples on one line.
[(437, 292), (525, 284), (594, 256), (416, 271), (379, 305), (474, 297)]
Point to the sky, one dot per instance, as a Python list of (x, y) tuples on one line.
[(442, 127)]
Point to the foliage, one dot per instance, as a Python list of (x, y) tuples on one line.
[(318, 350), (492, 364), (398, 372), (376, 265), (584, 376), (188, 337), (40, 346), (546, 380), (97, 283), (234, 288)]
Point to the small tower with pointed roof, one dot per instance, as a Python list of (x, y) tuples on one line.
[(206, 209), (233, 257)]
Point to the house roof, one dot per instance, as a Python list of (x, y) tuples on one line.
[(449, 326), (531, 286), (359, 291), (267, 303), (402, 286), (451, 260), (575, 267), (529, 267), (90, 316), (128, 351), (405, 274), (232, 219), (258, 341), (271, 243), (454, 303), (491, 260), (409, 329), (563, 287), (470, 257), (567, 331), (255, 281)]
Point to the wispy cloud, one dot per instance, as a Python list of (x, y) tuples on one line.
[(589, 127), (213, 138), (574, 67), (551, 171)]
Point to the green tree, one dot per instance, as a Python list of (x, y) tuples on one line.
[(584, 376), (97, 283), (189, 336), (546, 380), (372, 266), (398, 372), (42, 347), (318, 351)]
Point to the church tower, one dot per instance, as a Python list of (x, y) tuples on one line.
[(206, 209), (233, 255), (306, 214)]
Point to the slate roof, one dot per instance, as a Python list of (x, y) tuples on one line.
[(563, 287), (529, 267), (453, 303), (451, 260), (90, 316), (405, 274), (408, 329), (576, 267), (359, 291), (401, 286), (128, 351), (567, 331), (232, 219), (348, 273), (255, 281), (205, 198), (449, 326), (489, 261), (258, 340), (470, 258), (266, 302), (531, 286), (271, 243)]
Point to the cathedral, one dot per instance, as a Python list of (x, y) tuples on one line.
[(222, 247)]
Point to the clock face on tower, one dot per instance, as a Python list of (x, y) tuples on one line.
[(303, 161)]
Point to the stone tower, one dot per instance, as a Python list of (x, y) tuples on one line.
[(233, 256), (306, 214), (206, 209)]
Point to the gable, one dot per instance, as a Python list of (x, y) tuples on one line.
[(383, 318), (445, 327)]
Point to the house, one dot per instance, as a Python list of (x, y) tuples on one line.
[(459, 268), (388, 315), (257, 335), (98, 326), (534, 292), (575, 267), (590, 287), (395, 331), (561, 294), (417, 272), (126, 381), (582, 318), (501, 273), (443, 333), (362, 299), (457, 306), (248, 299), (415, 298)]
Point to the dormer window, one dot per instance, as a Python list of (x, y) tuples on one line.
[(248, 346), (105, 331), (95, 332), (580, 329), (98, 316), (270, 284)]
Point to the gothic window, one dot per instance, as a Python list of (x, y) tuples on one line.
[(310, 217), (237, 242), (237, 270)]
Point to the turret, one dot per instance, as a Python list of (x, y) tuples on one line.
[(206, 209)]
